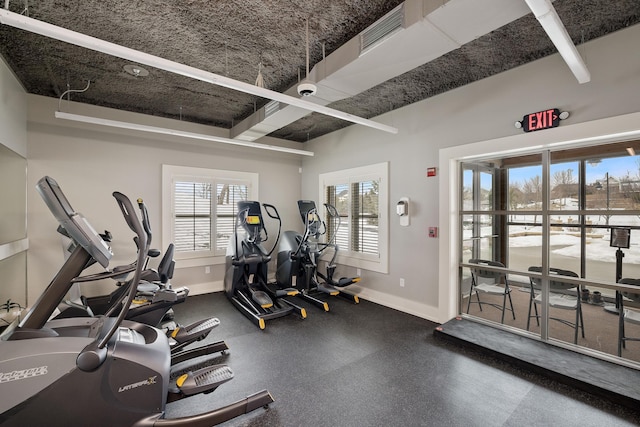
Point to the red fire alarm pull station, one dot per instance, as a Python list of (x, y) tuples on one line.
[(431, 172), (433, 231)]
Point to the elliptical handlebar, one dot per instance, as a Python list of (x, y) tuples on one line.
[(134, 224), (275, 215), (241, 214), (304, 237), (312, 217), (333, 213), (146, 224)]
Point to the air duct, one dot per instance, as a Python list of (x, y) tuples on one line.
[(382, 29), (414, 33)]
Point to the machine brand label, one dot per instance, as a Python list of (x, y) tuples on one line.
[(148, 381), (22, 374)]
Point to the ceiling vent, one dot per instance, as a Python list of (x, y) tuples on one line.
[(270, 108), (382, 29)]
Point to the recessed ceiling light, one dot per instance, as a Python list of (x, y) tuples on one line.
[(135, 70)]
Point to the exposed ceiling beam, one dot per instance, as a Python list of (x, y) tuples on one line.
[(48, 30), (546, 14)]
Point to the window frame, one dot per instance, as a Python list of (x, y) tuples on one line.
[(171, 174), (380, 172)]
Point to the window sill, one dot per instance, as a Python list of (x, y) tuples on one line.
[(378, 265), (199, 262)]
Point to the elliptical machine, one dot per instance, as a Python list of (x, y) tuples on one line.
[(298, 257), (100, 371), (154, 296), (245, 280)]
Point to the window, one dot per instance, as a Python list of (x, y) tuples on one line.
[(360, 196), (200, 209), (559, 208)]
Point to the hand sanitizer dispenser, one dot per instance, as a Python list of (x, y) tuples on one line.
[(402, 210)]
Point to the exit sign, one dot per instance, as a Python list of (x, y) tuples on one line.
[(541, 120)]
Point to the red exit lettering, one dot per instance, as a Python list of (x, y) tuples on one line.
[(541, 120)]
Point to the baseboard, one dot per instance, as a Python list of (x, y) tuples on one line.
[(206, 287), (401, 304)]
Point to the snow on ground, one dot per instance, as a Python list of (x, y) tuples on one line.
[(566, 241)]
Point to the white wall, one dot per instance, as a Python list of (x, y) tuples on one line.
[(13, 136), (90, 162), (13, 111), (482, 111)]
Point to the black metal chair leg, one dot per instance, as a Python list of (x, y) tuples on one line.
[(513, 313)]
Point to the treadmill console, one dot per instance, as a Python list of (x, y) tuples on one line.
[(73, 222)]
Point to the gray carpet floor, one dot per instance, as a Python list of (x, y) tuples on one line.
[(368, 365)]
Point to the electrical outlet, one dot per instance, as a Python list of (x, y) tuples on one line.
[(358, 272), (207, 270), (401, 282)]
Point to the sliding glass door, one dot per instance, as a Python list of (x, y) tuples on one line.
[(541, 225)]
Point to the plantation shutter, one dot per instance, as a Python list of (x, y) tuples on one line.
[(227, 197), (356, 231), (192, 220), (330, 197), (364, 230)]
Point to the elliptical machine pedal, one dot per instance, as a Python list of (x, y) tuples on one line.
[(262, 299), (204, 380), (328, 289)]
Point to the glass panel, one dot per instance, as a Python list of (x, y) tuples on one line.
[(564, 242), (564, 186), (525, 247), (486, 238), (13, 193), (467, 238), (601, 256), (613, 183), (486, 190), (467, 190), (478, 237), (525, 189)]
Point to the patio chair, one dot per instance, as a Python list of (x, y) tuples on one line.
[(562, 295), (627, 314), (497, 277)]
